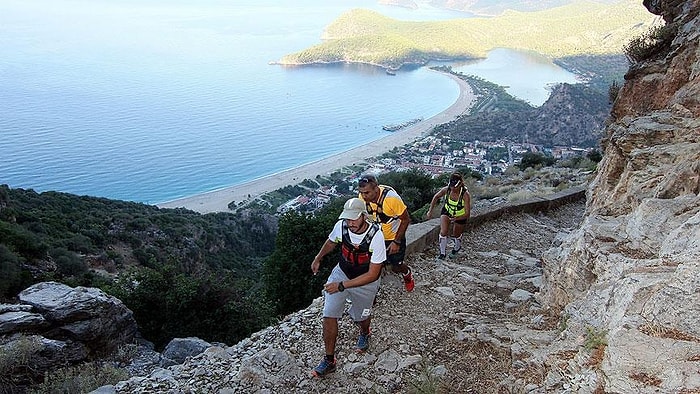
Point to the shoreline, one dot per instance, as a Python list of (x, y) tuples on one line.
[(218, 200)]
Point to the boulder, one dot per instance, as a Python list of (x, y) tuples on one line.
[(179, 349), (55, 325), (86, 315)]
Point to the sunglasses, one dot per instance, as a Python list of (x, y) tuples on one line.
[(366, 179)]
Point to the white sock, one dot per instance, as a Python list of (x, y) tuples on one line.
[(458, 243), (443, 244)]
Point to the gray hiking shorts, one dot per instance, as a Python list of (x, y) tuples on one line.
[(361, 298)]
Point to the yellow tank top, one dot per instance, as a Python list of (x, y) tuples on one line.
[(455, 208)]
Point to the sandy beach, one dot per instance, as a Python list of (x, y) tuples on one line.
[(218, 200)]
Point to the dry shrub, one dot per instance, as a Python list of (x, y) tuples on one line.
[(653, 43), (480, 368), (429, 382), (646, 379), (659, 331), (597, 356), (520, 195), (81, 378), (566, 354)]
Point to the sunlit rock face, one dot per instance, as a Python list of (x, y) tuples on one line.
[(632, 271)]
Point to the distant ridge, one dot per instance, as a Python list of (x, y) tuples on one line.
[(364, 36)]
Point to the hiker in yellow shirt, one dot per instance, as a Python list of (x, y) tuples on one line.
[(386, 207)]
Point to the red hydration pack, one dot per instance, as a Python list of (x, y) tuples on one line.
[(355, 259)]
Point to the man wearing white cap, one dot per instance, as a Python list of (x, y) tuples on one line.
[(355, 277)]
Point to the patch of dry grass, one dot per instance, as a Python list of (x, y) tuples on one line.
[(646, 379), (480, 370), (659, 331)]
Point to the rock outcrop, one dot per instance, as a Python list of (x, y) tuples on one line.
[(54, 324), (630, 276)]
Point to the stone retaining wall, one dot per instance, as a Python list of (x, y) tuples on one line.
[(421, 236)]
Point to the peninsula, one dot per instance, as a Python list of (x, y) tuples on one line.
[(364, 36)]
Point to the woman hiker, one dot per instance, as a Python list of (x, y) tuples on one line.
[(455, 210)]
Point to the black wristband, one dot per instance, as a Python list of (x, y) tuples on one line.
[(341, 287)]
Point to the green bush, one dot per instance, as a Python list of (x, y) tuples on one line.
[(595, 338), (416, 187), (168, 303), (650, 44), (68, 263), (10, 273), (594, 156), (534, 160)]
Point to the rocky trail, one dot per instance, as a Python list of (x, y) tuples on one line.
[(471, 325)]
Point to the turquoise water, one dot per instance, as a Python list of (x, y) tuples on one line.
[(526, 75), (151, 101)]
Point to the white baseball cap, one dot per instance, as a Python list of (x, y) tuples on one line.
[(353, 208)]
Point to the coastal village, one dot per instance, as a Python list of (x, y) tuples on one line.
[(435, 155)]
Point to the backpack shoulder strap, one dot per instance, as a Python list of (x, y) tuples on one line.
[(460, 201), (369, 235), (382, 197), (383, 191), (346, 234), (374, 227)]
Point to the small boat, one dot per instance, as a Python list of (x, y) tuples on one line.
[(390, 71)]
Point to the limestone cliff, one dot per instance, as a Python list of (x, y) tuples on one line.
[(631, 274)]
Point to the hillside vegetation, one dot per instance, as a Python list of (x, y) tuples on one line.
[(180, 272), (582, 28), (574, 115)]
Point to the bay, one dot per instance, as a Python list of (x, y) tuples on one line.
[(154, 100), (524, 74)]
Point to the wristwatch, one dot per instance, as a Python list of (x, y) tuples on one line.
[(340, 286)]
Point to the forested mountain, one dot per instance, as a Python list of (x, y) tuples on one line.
[(574, 115), (496, 7), (365, 36)]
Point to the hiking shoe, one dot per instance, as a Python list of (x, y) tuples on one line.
[(408, 282), (362, 343), (454, 252), (441, 256), (324, 368)]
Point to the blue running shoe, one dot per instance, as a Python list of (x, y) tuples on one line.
[(362, 342), (324, 368)]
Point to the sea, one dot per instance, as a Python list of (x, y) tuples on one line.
[(155, 100)]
